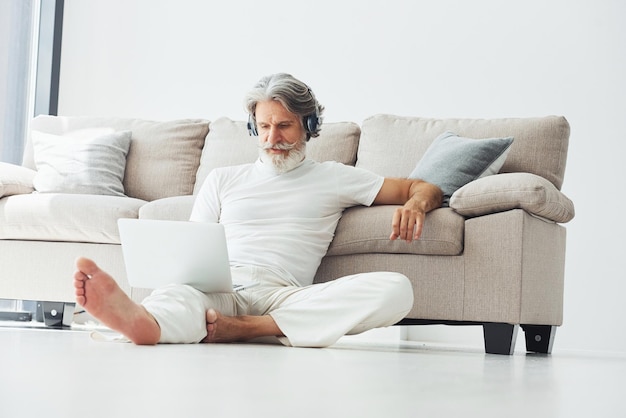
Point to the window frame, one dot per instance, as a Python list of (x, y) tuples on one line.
[(48, 64)]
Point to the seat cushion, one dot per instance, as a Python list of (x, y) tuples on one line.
[(364, 230), (176, 208), (65, 217)]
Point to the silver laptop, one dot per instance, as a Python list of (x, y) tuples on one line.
[(158, 253)]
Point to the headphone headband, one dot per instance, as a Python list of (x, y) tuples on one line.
[(310, 123)]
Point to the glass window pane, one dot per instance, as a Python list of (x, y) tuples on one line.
[(17, 19)]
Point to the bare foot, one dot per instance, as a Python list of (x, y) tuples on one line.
[(228, 329), (99, 294)]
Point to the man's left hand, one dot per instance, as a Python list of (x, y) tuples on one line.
[(407, 222)]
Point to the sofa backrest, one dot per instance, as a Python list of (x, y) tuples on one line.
[(163, 157), (228, 143), (392, 145), (173, 158)]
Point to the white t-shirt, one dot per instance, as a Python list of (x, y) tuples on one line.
[(284, 222)]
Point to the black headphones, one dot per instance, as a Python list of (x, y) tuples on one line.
[(252, 126), (310, 123)]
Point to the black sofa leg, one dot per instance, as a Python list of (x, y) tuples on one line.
[(499, 338), (539, 338)]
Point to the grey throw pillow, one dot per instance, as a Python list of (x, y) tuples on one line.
[(452, 161), (81, 162)]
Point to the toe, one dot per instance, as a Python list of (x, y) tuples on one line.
[(86, 266), (211, 316)]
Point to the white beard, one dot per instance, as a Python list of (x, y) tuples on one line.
[(283, 163)]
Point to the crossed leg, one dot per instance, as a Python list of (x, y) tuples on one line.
[(363, 296), (99, 294)]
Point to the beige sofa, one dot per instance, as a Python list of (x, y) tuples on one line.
[(494, 258)]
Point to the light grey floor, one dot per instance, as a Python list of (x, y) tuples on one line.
[(51, 373)]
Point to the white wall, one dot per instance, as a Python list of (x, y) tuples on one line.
[(449, 58)]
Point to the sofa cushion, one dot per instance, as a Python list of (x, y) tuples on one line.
[(229, 143), (163, 157), (540, 145), (451, 161), (176, 208), (65, 217), (338, 141), (15, 179), (508, 191), (364, 230), (74, 163)]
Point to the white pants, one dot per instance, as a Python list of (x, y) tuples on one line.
[(310, 316)]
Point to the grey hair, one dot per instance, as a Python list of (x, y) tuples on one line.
[(292, 93)]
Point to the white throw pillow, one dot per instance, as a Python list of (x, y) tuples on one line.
[(87, 161), (15, 179)]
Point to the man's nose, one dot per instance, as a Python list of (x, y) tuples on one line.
[(273, 135)]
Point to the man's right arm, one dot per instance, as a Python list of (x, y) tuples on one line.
[(417, 197)]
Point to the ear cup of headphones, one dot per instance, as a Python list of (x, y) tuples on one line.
[(311, 122), (252, 126)]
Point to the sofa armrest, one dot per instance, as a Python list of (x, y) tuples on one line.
[(177, 208), (514, 267), (501, 192), (15, 179)]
